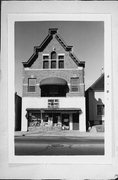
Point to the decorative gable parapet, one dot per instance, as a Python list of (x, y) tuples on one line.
[(31, 60), (69, 48), (46, 41), (52, 31), (61, 41), (75, 59), (43, 44)]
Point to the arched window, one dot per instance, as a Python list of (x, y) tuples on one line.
[(53, 55), (53, 59)]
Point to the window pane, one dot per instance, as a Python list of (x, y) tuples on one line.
[(100, 109), (31, 88), (74, 84), (45, 64), (61, 64), (74, 88), (31, 84), (53, 64), (32, 81), (45, 57), (53, 55), (74, 80), (61, 57)]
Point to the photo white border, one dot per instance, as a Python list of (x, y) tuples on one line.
[(104, 159)]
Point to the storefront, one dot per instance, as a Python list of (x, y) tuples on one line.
[(63, 118)]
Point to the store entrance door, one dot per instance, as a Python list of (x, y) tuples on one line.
[(55, 119), (76, 121), (65, 121)]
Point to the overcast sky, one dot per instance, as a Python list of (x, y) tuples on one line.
[(87, 39)]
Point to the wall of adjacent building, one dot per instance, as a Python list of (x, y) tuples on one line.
[(94, 98), (18, 106)]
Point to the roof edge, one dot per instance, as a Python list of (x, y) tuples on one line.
[(91, 87), (48, 38)]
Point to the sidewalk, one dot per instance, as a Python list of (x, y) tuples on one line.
[(74, 133)]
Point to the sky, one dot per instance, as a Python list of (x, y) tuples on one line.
[(86, 37)]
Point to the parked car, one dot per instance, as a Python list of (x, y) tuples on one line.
[(97, 128)]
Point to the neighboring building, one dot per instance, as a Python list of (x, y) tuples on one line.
[(95, 103), (18, 103), (53, 87)]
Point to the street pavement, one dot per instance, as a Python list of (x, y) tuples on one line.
[(37, 144)]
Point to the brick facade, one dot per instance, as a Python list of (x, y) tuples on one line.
[(62, 84), (42, 74), (71, 69)]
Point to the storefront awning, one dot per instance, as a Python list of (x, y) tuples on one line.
[(55, 110), (53, 81)]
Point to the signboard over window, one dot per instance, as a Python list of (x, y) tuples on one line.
[(53, 103)]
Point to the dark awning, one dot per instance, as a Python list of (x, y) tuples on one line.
[(53, 81), (55, 110)]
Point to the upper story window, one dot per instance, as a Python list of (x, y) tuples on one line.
[(45, 61), (100, 109), (53, 61), (74, 83), (31, 84), (61, 61), (53, 55), (53, 64)]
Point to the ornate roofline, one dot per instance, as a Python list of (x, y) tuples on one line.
[(46, 41)]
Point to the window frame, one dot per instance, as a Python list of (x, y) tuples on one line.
[(74, 85), (28, 87), (46, 60), (61, 60), (52, 61), (102, 109)]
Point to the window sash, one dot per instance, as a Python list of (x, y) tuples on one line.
[(45, 57), (74, 88), (53, 64), (100, 110), (60, 57), (61, 64), (31, 88), (74, 81), (53, 55), (32, 81), (31, 84), (45, 64)]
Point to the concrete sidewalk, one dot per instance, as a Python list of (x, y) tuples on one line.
[(74, 133)]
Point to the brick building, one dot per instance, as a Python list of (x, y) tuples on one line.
[(53, 87)]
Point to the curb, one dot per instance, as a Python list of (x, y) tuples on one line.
[(61, 134)]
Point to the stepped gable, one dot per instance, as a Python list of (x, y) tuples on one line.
[(46, 41)]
